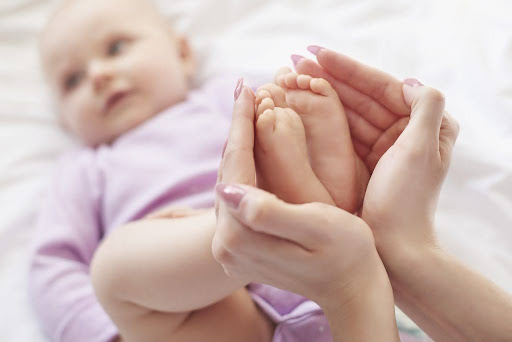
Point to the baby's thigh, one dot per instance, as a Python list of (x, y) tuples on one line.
[(235, 318)]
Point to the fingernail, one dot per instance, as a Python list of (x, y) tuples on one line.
[(296, 59), (230, 194), (315, 49), (239, 87), (224, 148), (413, 82)]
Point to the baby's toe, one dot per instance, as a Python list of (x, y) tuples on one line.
[(260, 95), (265, 104), (281, 72), (322, 87), (290, 80), (303, 81), (277, 93), (265, 127)]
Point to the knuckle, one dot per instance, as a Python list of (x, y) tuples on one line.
[(229, 154), (319, 207), (456, 126), (379, 91), (258, 211), (417, 154), (220, 253), (434, 95), (233, 241)]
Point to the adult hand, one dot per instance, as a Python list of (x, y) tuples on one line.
[(246, 249), (289, 245), (237, 166), (262, 239), (373, 100), (402, 194), (448, 300)]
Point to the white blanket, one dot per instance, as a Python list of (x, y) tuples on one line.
[(462, 47)]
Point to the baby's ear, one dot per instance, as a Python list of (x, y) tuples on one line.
[(187, 56)]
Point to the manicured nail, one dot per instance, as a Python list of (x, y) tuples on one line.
[(224, 148), (296, 59), (315, 49), (239, 87), (230, 194), (413, 82)]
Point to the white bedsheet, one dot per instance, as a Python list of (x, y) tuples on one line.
[(462, 47)]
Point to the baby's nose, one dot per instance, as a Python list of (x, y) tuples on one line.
[(101, 74)]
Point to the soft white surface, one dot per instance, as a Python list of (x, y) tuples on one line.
[(462, 47)]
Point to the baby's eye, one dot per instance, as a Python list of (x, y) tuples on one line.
[(72, 81), (116, 47)]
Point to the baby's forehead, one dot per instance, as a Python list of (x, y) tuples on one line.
[(79, 21), (73, 13)]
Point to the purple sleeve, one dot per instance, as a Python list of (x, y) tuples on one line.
[(68, 232)]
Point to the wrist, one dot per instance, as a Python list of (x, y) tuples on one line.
[(367, 301), (403, 247), (410, 260)]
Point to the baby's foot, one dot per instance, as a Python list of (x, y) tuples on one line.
[(330, 147), (281, 156)]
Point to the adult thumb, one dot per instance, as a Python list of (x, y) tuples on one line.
[(427, 110)]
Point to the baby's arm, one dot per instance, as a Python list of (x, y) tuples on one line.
[(66, 237)]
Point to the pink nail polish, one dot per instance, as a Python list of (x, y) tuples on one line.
[(230, 194), (413, 82), (315, 49), (239, 87), (296, 59)]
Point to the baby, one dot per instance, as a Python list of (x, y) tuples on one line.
[(121, 79)]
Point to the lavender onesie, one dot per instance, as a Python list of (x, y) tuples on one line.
[(171, 159)]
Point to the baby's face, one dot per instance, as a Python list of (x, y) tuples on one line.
[(112, 65)]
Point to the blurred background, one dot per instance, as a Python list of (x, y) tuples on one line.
[(462, 47)]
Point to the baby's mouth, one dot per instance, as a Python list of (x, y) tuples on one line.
[(115, 98)]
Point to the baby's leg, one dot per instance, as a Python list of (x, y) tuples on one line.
[(158, 281), (330, 147), (281, 157)]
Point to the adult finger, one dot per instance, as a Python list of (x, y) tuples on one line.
[(265, 213), (385, 141), (238, 160), (379, 85), (237, 163), (427, 110), (361, 130), (364, 105), (447, 137), (236, 245)]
